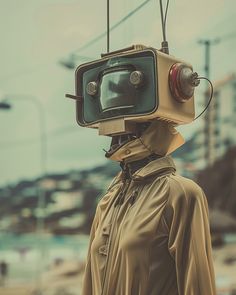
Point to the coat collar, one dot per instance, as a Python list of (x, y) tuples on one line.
[(159, 138), (161, 166)]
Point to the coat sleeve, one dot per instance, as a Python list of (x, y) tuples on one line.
[(189, 243), (87, 279)]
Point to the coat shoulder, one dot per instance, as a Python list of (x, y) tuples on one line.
[(184, 188)]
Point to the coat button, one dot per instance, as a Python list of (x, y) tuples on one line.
[(106, 230), (127, 152), (103, 250)]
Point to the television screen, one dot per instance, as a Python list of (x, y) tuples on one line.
[(119, 86)]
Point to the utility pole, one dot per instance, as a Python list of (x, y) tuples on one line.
[(211, 113)]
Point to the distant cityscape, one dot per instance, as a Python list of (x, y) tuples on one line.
[(69, 205), (70, 199)]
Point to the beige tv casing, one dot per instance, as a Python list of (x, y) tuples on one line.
[(168, 108)]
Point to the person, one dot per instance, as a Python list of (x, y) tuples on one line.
[(150, 234), (3, 272)]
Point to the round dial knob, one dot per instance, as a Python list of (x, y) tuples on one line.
[(92, 88), (136, 78)]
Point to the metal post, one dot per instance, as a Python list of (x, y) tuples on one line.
[(40, 224), (209, 119)]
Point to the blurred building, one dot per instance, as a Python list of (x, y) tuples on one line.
[(70, 201), (216, 133), (220, 122)]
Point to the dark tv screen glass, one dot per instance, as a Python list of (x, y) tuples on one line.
[(115, 95)]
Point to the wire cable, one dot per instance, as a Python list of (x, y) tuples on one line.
[(210, 99), (165, 18), (164, 43), (162, 22), (91, 42), (228, 36), (100, 36)]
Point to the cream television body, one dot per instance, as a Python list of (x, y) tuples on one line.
[(133, 85)]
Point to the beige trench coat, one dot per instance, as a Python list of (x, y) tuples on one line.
[(150, 236)]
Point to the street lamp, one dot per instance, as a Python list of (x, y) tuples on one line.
[(5, 105)]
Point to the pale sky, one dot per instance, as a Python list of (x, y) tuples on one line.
[(36, 34)]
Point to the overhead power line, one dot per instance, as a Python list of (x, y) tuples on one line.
[(228, 36), (86, 45), (91, 42), (100, 36)]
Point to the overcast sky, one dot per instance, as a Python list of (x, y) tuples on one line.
[(37, 34)]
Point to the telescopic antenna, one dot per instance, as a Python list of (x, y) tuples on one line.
[(108, 25), (164, 43)]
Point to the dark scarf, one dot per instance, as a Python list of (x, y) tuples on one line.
[(130, 168)]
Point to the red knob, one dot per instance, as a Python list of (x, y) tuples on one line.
[(182, 81)]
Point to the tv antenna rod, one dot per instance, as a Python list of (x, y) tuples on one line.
[(108, 26), (164, 43)]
